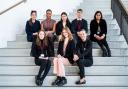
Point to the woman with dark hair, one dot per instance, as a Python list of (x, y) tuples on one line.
[(64, 22), (48, 25), (98, 28), (64, 56), (32, 26), (41, 51)]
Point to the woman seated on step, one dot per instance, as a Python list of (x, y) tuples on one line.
[(32, 26), (98, 29), (64, 56), (41, 51), (83, 55), (64, 22), (49, 26)]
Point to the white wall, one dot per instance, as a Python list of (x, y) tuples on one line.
[(13, 21)]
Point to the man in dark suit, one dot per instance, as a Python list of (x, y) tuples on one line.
[(78, 24), (83, 55)]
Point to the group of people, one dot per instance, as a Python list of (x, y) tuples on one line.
[(75, 46)]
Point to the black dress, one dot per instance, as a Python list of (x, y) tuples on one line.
[(32, 28), (44, 64)]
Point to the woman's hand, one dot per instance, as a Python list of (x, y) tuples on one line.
[(75, 58)]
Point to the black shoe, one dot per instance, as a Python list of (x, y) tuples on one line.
[(104, 54), (78, 82), (62, 82), (109, 53), (37, 80), (56, 81)]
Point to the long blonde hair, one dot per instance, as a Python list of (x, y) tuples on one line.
[(61, 37)]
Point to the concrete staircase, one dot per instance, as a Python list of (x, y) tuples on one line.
[(17, 68)]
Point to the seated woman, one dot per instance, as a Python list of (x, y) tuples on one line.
[(64, 57), (64, 22), (41, 51), (48, 25), (32, 26), (98, 28)]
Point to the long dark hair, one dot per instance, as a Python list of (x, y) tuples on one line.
[(64, 13), (30, 20), (43, 42), (97, 13)]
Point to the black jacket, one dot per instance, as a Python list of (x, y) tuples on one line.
[(84, 25), (30, 29), (69, 50), (94, 28), (36, 50), (84, 49), (59, 27)]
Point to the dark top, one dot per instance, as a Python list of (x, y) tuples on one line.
[(68, 52), (59, 27), (94, 27), (77, 25), (84, 49), (30, 29), (36, 50)]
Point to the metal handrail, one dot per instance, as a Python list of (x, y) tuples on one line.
[(13, 6)]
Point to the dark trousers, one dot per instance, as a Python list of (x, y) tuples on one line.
[(104, 46), (84, 63), (45, 66), (51, 44)]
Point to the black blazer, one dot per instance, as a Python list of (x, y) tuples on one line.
[(36, 51), (59, 27), (94, 27), (69, 50), (84, 25), (84, 49), (30, 29)]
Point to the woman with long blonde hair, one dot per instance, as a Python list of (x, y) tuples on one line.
[(64, 56)]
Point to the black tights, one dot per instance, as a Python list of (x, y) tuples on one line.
[(44, 66)]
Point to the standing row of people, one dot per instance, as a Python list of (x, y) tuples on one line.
[(74, 44)]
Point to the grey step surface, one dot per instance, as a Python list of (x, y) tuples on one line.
[(93, 81), (98, 61), (112, 44), (109, 38), (70, 71), (80, 87), (26, 52)]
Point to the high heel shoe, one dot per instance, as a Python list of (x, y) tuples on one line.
[(56, 81)]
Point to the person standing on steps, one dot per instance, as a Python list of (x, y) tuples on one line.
[(98, 32), (83, 55), (48, 25), (32, 27), (78, 24), (41, 52), (64, 57), (64, 22)]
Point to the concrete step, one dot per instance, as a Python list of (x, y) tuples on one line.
[(26, 52), (109, 38), (80, 87), (98, 61), (92, 81), (70, 70), (20, 44)]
